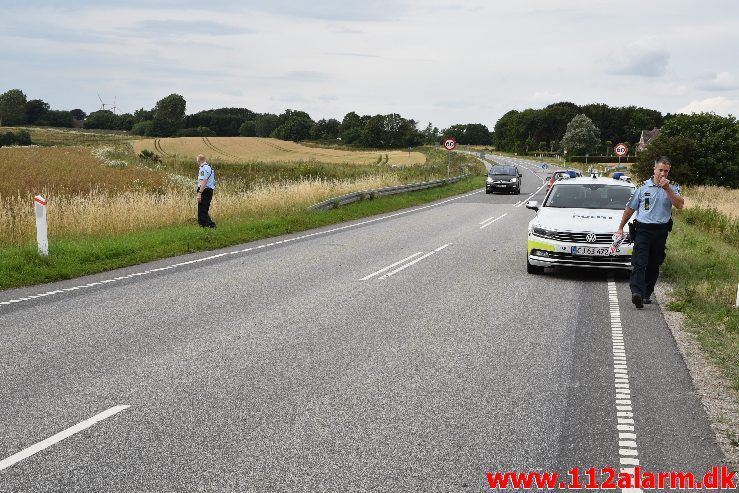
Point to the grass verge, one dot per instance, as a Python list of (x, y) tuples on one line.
[(703, 267), (69, 258)]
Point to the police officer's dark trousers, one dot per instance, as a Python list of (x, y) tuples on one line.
[(648, 255), (203, 208)]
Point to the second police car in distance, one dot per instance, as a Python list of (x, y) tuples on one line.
[(575, 224)]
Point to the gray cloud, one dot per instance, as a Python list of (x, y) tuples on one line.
[(179, 28), (651, 63), (723, 81)]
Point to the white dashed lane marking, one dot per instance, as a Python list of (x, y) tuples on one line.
[(236, 252), (44, 444)]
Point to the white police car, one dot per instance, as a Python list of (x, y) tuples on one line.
[(574, 225)]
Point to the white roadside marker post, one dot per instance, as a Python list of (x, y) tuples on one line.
[(41, 235)]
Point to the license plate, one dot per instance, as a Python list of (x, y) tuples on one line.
[(585, 250)]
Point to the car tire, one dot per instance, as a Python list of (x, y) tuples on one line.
[(488, 191), (518, 191), (533, 269)]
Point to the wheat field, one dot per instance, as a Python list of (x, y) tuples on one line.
[(725, 200), (257, 149)]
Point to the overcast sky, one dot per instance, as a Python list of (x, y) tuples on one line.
[(444, 62)]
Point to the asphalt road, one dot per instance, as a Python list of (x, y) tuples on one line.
[(401, 353)]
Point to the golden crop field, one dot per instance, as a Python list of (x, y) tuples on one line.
[(725, 200), (257, 149), (67, 170)]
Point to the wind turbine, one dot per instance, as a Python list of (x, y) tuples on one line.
[(103, 105)]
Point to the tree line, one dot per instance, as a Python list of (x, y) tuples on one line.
[(543, 129), (168, 118)]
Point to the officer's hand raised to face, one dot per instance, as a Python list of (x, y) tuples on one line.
[(664, 183)]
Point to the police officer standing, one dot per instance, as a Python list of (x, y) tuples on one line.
[(206, 185), (652, 202)]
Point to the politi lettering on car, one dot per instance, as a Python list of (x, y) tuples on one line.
[(592, 217)]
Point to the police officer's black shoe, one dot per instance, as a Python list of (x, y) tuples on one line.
[(636, 299), (647, 301)]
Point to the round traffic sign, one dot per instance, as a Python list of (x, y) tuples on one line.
[(450, 144), (620, 149)]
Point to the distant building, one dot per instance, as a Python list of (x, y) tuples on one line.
[(647, 136)]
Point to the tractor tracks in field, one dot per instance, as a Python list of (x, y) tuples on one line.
[(210, 145), (158, 147)]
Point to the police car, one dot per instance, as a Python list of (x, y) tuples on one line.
[(574, 225)]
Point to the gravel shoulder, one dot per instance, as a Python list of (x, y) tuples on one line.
[(719, 400)]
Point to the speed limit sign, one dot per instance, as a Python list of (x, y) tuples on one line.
[(621, 149), (450, 144)]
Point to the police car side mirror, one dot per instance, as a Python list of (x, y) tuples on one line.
[(533, 205)]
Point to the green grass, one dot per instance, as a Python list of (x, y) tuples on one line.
[(703, 266), (73, 258)]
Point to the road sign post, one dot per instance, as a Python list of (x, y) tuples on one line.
[(620, 150), (41, 236), (449, 144)]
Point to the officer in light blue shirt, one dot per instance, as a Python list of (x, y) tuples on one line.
[(204, 194), (652, 202)]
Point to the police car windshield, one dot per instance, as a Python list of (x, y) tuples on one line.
[(502, 170), (588, 196)]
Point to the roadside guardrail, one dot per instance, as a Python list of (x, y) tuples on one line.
[(381, 192)]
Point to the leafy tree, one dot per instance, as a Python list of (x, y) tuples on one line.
[(265, 124), (248, 129), (682, 153), (12, 108), (169, 115), (295, 125), (36, 110), (142, 115), (103, 119), (78, 114), (555, 118), (142, 128), (478, 134), (224, 122), (430, 135), (708, 148), (351, 127), (373, 132), (581, 137), (326, 129), (505, 131), (57, 118)]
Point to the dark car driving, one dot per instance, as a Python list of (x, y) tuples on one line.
[(503, 179)]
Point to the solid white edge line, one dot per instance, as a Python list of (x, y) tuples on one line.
[(43, 444), (413, 262), (390, 266), (491, 222), (319, 233), (628, 448)]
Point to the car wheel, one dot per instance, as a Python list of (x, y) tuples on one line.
[(488, 191), (518, 191), (533, 269)]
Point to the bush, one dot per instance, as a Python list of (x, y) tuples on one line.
[(147, 155), (21, 137), (142, 128), (195, 132)]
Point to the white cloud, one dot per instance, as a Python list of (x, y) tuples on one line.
[(719, 105), (546, 97), (722, 81)]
